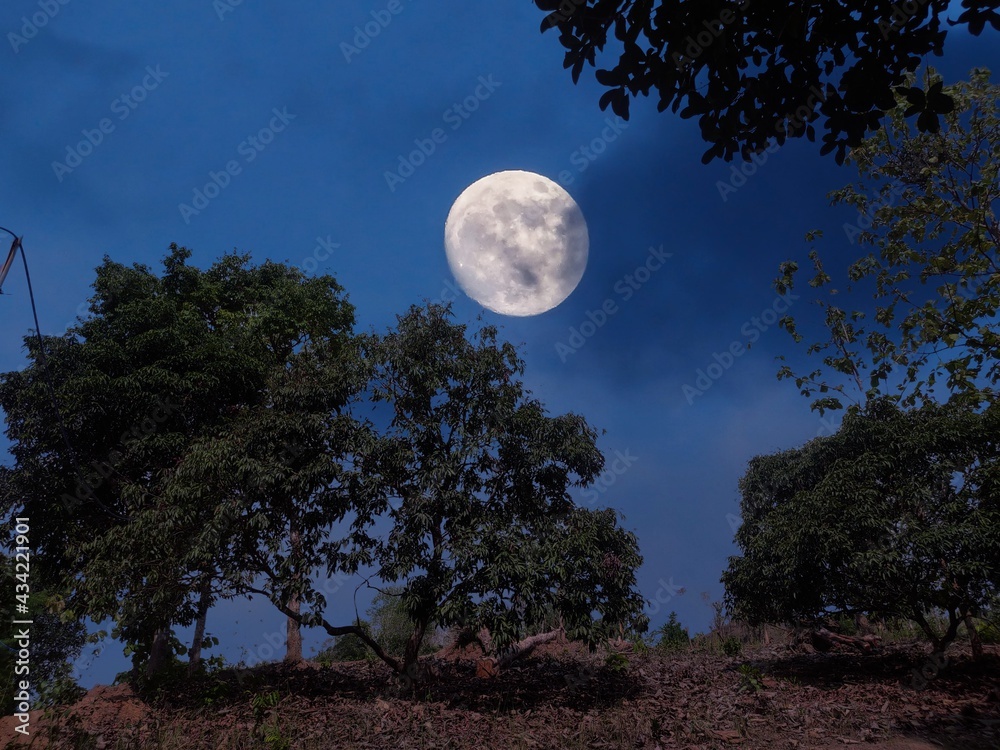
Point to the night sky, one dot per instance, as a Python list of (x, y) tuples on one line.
[(682, 255)]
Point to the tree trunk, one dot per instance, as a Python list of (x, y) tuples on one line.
[(293, 630), (159, 652), (194, 655), (863, 625), (525, 647), (293, 633), (974, 640), (412, 651), (938, 643)]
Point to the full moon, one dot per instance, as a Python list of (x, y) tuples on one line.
[(516, 242)]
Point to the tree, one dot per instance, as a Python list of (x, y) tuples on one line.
[(254, 457), (164, 369), (752, 71), (895, 515), (472, 479), (927, 209), (485, 532)]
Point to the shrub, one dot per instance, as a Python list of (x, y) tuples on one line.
[(616, 662), (346, 648), (989, 632), (751, 679), (732, 646), (671, 636), (390, 626), (845, 625)]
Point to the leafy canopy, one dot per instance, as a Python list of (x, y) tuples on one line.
[(474, 478), (927, 216), (753, 70), (167, 374), (895, 515), (284, 444)]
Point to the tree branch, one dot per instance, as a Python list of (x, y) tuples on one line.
[(335, 631)]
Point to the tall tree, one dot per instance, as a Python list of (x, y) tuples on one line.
[(894, 516), (163, 367), (459, 494), (281, 468), (757, 70), (473, 475), (927, 214)]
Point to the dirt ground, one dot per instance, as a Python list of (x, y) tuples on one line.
[(561, 697)]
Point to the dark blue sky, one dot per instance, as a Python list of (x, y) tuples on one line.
[(175, 92)]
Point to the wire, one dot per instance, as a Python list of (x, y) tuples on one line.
[(10, 260), (18, 245)]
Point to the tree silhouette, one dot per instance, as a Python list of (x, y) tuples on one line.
[(264, 468), (756, 70)]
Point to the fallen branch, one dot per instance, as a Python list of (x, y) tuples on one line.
[(824, 639), (490, 666)]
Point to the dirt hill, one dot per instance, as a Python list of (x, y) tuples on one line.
[(561, 697)]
